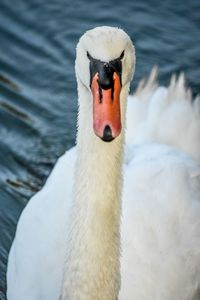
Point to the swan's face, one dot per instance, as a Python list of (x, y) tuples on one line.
[(104, 65)]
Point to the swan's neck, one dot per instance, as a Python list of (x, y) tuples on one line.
[(92, 269)]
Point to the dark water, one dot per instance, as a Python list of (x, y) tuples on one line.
[(38, 89)]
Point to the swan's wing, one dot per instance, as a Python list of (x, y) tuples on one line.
[(160, 225), (164, 115), (42, 225)]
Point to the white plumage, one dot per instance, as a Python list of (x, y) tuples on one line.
[(160, 223)]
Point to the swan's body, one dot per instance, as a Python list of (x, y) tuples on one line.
[(160, 223)]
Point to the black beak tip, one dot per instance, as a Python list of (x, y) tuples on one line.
[(107, 134)]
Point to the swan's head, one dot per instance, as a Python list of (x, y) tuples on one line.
[(104, 65)]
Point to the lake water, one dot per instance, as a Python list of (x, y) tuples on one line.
[(37, 82)]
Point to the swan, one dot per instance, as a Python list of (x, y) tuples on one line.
[(83, 235)]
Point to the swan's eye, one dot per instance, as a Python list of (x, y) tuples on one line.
[(122, 55), (88, 55)]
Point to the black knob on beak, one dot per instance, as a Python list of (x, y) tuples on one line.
[(107, 134), (106, 76), (105, 71)]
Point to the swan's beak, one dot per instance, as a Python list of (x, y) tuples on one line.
[(106, 108)]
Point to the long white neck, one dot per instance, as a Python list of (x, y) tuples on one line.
[(92, 269)]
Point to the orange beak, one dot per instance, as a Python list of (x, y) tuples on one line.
[(106, 108)]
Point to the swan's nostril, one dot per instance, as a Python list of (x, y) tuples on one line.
[(107, 134)]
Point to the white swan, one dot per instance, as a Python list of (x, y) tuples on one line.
[(67, 243)]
